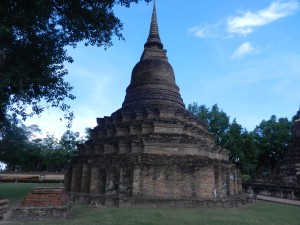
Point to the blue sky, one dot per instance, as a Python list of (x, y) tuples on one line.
[(243, 55)]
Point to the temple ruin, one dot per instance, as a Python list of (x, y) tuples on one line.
[(152, 152), (290, 166), (43, 204)]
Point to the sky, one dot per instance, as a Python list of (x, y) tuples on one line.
[(242, 55)]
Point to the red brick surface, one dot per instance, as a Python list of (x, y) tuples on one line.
[(40, 197)]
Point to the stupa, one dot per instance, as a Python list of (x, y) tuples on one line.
[(290, 166), (152, 152)]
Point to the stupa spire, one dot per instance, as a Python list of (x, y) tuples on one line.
[(153, 48), (152, 84), (153, 38)]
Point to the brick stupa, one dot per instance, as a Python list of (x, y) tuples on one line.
[(152, 152), (290, 166)]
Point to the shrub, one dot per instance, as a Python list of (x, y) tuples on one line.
[(245, 177)]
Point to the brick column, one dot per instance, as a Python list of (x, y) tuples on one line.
[(112, 181), (137, 180), (230, 181), (235, 182), (225, 183), (218, 181), (86, 178), (76, 178), (97, 184), (239, 181), (68, 177)]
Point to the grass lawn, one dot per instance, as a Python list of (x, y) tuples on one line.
[(15, 192), (264, 213)]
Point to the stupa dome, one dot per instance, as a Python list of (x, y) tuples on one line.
[(153, 86)]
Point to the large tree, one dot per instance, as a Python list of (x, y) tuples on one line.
[(272, 137), (13, 144), (229, 135), (33, 39), (218, 122)]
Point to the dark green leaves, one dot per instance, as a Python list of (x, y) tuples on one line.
[(33, 37)]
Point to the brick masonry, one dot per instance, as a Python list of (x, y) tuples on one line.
[(152, 151), (3, 207), (43, 203)]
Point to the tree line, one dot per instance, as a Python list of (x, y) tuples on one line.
[(256, 153), (21, 148)]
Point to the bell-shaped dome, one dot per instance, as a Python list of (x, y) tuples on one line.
[(152, 80)]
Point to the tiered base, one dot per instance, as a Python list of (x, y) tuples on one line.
[(127, 202)]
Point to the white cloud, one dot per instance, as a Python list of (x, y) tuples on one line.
[(206, 31), (246, 23), (244, 49)]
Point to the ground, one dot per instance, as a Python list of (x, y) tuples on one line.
[(261, 212)]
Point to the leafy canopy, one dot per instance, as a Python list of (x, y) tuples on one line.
[(33, 37), (253, 152)]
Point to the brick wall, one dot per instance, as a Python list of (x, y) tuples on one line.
[(43, 204), (39, 197)]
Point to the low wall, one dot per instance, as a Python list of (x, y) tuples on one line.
[(31, 177), (43, 203), (273, 190), (140, 202), (41, 213), (3, 207)]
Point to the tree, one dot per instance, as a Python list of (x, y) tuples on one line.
[(272, 137), (13, 144), (218, 122), (33, 37), (21, 150), (243, 151), (69, 141), (229, 135)]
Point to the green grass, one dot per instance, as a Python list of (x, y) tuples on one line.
[(264, 213), (15, 192)]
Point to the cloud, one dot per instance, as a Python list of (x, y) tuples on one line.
[(246, 23), (206, 31), (244, 49)]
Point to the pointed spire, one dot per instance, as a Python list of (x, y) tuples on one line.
[(153, 48), (153, 38)]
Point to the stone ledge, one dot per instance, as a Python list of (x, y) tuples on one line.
[(140, 202), (3, 207), (41, 213), (43, 204)]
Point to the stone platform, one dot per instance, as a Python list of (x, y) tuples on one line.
[(42, 204), (3, 207), (115, 180), (127, 202)]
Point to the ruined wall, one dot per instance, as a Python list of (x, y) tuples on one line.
[(177, 181), (3, 207), (42, 204), (173, 181), (112, 177)]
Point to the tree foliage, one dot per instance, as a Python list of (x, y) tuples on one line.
[(33, 37), (218, 122), (253, 152), (21, 149), (272, 137)]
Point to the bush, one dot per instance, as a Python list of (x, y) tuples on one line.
[(245, 177)]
